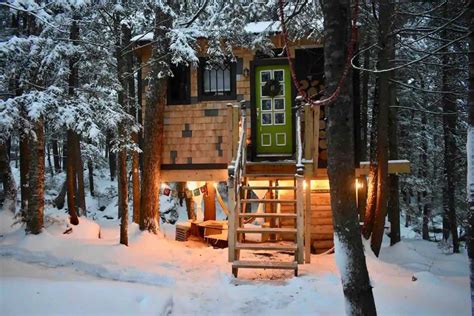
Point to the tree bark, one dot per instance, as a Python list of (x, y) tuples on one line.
[(210, 203), (136, 181), (450, 150), (71, 179), (354, 275), (81, 198), (6, 175), (60, 199), (90, 168), (153, 129), (50, 165), (112, 156), (470, 149), (364, 105), (35, 213), (370, 206), (56, 157), (385, 42), (394, 194), (24, 170)]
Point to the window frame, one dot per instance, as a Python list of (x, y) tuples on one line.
[(187, 98), (233, 80)]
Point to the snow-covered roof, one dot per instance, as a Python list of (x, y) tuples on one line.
[(263, 26), (143, 37), (252, 27)]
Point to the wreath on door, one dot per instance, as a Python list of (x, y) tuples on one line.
[(272, 88)]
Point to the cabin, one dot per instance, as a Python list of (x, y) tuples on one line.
[(240, 122)]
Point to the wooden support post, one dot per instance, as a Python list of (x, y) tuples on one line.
[(231, 222), (316, 114), (300, 219), (210, 202), (307, 218)]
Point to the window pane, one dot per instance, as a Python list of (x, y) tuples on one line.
[(227, 79), (279, 118), (266, 105), (207, 83), (278, 75), (265, 76), (213, 80), (266, 118), (279, 104)]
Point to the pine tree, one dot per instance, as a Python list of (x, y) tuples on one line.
[(354, 275)]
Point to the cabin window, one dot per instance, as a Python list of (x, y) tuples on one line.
[(217, 82), (179, 88)]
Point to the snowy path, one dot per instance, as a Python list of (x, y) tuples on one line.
[(79, 274)]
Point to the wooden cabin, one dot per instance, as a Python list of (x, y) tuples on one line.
[(239, 122)]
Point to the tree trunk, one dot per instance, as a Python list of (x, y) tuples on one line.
[(394, 195), (24, 170), (71, 179), (385, 16), (210, 203), (470, 149), (60, 199), (112, 156), (71, 173), (450, 165), (90, 168), (56, 157), (354, 275), (50, 165), (123, 195), (364, 105), (371, 204), (136, 181), (6, 175), (81, 199), (35, 213), (153, 127), (64, 155)]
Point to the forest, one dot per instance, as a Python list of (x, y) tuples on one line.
[(105, 158)]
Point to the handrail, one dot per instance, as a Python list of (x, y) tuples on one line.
[(299, 143), (236, 171)]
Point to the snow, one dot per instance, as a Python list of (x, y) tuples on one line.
[(263, 26), (58, 273), (82, 274)]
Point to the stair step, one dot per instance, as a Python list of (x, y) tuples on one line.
[(268, 188), (258, 230), (268, 215), (267, 201), (266, 246), (293, 265)]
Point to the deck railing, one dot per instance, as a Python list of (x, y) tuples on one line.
[(236, 171)]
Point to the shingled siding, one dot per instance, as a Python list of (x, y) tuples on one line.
[(200, 132), (194, 134)]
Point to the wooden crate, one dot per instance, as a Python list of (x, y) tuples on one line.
[(182, 231)]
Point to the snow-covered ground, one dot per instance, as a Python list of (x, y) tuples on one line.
[(81, 274)]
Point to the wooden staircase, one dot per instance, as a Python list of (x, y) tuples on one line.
[(241, 175), (274, 228)]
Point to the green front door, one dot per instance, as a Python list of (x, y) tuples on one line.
[(274, 134)]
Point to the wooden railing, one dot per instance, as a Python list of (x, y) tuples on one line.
[(300, 218), (236, 170)]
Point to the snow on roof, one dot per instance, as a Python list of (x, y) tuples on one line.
[(143, 37), (263, 26), (252, 27)]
